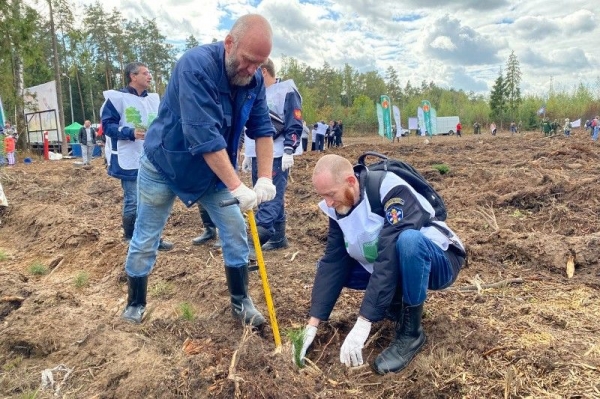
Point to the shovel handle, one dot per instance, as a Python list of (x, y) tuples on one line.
[(227, 202)]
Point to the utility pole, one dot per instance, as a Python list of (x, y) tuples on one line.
[(61, 116)]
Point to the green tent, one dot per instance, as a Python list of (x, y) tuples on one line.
[(73, 132)]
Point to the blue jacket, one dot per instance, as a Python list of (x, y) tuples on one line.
[(110, 126), (201, 113)]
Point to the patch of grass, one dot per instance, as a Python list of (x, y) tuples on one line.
[(518, 214), (442, 168), (3, 256), (13, 364), (82, 279), (161, 289), (296, 336), (187, 311), (29, 395), (38, 269)]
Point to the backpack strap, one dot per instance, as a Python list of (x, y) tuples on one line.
[(373, 181)]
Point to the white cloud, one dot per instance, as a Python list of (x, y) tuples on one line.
[(463, 43)]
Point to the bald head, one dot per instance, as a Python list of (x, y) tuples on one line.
[(334, 180), (251, 24), (247, 47), (334, 166)]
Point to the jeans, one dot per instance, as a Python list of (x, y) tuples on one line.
[(86, 153), (129, 198), (595, 134), (155, 201), (423, 266), (319, 143), (273, 211)]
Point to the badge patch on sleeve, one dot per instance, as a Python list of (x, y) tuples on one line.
[(393, 210), (298, 114)]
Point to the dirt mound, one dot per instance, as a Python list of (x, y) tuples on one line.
[(513, 325)]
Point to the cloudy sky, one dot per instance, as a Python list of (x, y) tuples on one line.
[(462, 44)]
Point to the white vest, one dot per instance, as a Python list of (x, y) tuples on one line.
[(134, 110), (361, 228), (276, 94)]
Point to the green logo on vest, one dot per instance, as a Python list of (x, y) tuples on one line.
[(370, 250)]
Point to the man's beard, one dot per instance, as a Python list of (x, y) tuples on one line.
[(231, 66), (347, 203)]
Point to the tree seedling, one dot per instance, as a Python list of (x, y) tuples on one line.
[(296, 336), (187, 311), (37, 269)]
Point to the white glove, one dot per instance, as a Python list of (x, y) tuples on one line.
[(309, 336), (287, 161), (247, 164), (264, 189), (351, 352), (245, 196)]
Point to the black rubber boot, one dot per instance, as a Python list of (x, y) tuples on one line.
[(263, 236), (241, 304), (128, 225), (210, 230), (136, 299), (277, 240), (165, 245), (410, 338)]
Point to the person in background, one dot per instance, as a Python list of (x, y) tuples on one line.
[(284, 101), (305, 136), (126, 115), (459, 129), (87, 140), (101, 142), (9, 148), (567, 128), (338, 138)]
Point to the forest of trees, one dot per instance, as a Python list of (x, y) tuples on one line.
[(92, 45)]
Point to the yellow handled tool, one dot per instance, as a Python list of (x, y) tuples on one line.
[(265, 280), (263, 272)]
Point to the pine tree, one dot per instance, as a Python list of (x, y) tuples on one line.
[(511, 84), (498, 98)]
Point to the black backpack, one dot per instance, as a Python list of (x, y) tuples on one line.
[(374, 176)]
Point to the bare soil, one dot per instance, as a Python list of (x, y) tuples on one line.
[(514, 325)]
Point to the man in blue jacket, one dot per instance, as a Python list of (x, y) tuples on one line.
[(395, 259), (126, 115), (190, 152)]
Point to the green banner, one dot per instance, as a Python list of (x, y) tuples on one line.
[(380, 119), (426, 105), (386, 106)]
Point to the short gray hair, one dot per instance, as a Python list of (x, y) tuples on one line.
[(133, 68)]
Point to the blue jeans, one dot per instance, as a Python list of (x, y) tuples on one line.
[(423, 266), (273, 211), (320, 142), (155, 201), (129, 198), (595, 134)]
